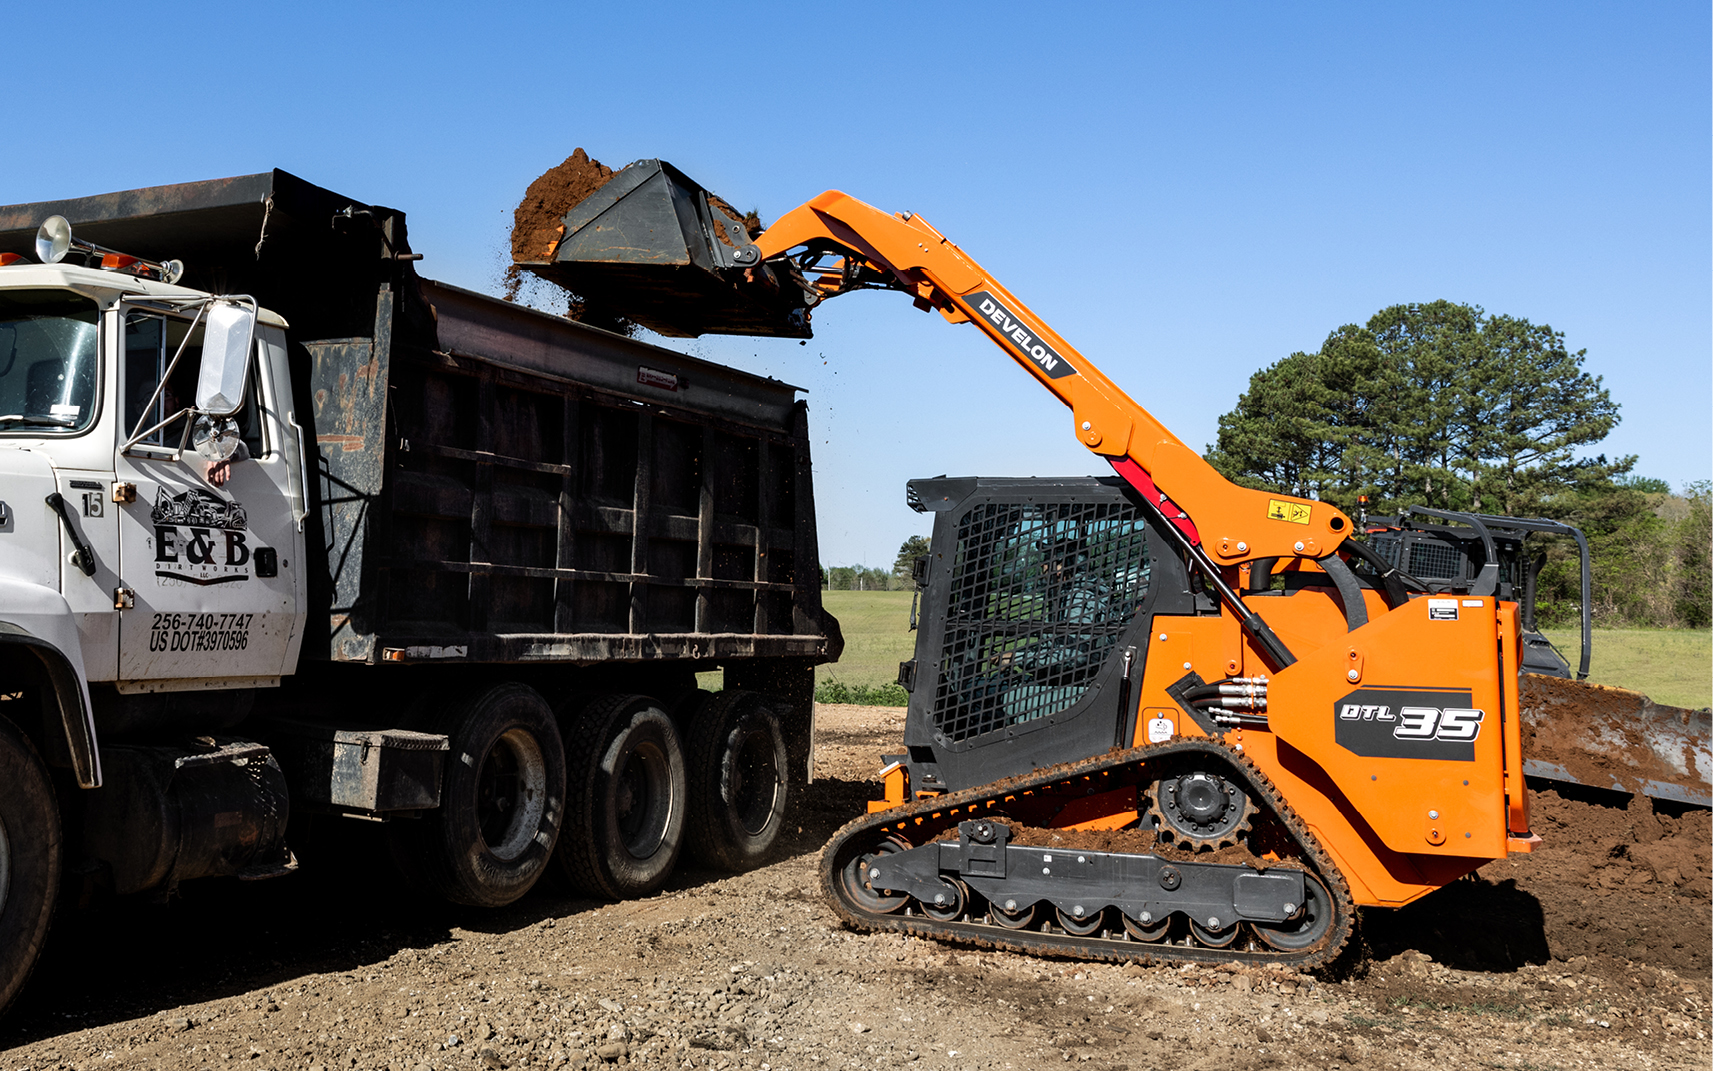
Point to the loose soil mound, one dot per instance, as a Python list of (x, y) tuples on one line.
[(1630, 882), (1600, 734), (536, 227), (1610, 884)]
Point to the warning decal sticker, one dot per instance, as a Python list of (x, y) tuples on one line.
[(1294, 512)]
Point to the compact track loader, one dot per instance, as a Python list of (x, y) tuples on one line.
[(1129, 742)]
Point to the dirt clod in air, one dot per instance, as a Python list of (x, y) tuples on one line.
[(536, 226)]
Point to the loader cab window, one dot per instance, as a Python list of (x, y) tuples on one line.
[(151, 340), (1040, 595), (49, 360)]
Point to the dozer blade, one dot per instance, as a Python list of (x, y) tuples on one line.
[(654, 247), (1609, 738)]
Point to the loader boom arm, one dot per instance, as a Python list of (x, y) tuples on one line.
[(1227, 523)]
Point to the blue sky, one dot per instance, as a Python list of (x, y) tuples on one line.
[(1187, 193)]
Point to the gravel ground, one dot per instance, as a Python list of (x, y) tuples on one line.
[(314, 972)]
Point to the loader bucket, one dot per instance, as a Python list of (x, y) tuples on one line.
[(654, 247), (1610, 738)]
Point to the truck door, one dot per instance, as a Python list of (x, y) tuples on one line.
[(210, 565)]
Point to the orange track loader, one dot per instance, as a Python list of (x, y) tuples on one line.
[(1125, 740), (1245, 771)]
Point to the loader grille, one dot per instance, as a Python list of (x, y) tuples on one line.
[(1435, 561), (1040, 593)]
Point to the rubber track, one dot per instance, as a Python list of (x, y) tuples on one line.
[(923, 820)]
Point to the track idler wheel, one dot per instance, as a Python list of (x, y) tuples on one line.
[(855, 876), (1201, 809), (1310, 923)]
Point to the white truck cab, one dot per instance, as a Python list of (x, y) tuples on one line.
[(151, 528)]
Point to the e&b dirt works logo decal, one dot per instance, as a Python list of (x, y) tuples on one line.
[(1415, 723), (1019, 336), (200, 539)]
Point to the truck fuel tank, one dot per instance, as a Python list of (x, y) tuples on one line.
[(217, 808)]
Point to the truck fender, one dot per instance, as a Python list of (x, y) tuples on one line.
[(39, 619)]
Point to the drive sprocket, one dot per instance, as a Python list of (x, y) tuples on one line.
[(1199, 809)]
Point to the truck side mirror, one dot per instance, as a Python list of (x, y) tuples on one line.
[(226, 344)]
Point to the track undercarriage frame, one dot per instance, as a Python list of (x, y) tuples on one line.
[(949, 867)]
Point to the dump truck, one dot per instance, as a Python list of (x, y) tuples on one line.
[(288, 529), (1125, 740)]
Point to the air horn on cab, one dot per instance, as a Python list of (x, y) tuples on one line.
[(54, 241)]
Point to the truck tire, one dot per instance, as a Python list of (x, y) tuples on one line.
[(625, 811), (31, 850), (502, 802), (738, 784)]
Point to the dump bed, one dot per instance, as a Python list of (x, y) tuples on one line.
[(495, 483)]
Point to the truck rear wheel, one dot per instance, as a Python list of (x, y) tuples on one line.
[(502, 804), (30, 857), (625, 811), (738, 787)]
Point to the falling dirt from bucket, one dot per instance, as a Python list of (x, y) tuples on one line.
[(536, 227)]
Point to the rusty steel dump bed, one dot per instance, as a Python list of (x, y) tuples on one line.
[(494, 483)]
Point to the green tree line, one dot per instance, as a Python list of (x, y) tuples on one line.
[(865, 578), (1446, 405)]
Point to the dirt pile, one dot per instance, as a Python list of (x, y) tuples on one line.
[(1602, 735), (1631, 882), (1611, 886), (536, 226)]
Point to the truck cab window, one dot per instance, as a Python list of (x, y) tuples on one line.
[(151, 340), (49, 357)]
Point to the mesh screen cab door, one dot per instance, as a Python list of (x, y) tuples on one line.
[(1036, 591)]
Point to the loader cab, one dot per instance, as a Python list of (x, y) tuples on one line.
[(1037, 609), (1448, 559)]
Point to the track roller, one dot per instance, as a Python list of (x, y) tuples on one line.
[(951, 908), (1152, 931), (1080, 921), (1012, 915)]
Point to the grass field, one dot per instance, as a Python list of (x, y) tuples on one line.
[(1671, 666), (877, 632)]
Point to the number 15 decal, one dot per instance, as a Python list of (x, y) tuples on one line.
[(1432, 723)]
